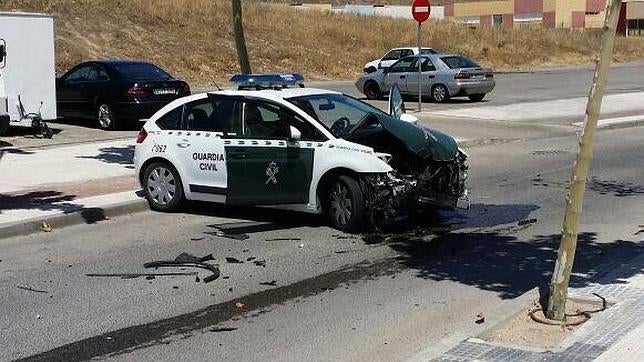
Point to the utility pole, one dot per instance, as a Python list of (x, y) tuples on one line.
[(574, 202), (240, 41)]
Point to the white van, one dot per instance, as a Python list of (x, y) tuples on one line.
[(27, 72)]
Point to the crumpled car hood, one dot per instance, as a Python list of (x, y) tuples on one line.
[(424, 142)]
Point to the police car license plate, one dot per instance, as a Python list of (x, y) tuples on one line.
[(164, 91)]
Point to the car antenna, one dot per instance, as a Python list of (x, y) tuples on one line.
[(215, 83)]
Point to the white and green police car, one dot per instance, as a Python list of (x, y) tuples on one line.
[(272, 142)]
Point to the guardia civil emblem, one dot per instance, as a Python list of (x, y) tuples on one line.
[(271, 172)]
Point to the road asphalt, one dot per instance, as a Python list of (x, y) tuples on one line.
[(335, 297), (322, 295)]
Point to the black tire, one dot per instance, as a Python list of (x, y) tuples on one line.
[(105, 117), (440, 93), (477, 97), (158, 200), (345, 205), (372, 90)]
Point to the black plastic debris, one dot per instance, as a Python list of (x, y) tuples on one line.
[(232, 260), (223, 329), (30, 289), (272, 283), (284, 239), (526, 222), (251, 258), (191, 261), (261, 263)]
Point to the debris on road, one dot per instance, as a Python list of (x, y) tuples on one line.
[(222, 329), (232, 260), (480, 318), (284, 239), (272, 283), (251, 258), (300, 246), (239, 305), (219, 232), (526, 222), (46, 227), (30, 289), (148, 276), (188, 260), (343, 237), (197, 239), (261, 263)]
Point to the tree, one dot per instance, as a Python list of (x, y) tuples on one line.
[(574, 202), (240, 41)]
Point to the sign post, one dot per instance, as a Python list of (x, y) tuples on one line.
[(420, 10)]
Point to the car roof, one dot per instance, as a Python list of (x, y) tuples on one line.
[(117, 62), (275, 94)]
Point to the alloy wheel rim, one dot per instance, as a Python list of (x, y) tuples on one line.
[(439, 93), (341, 204), (104, 115), (161, 186)]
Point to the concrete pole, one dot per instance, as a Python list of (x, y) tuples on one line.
[(240, 41), (574, 202)]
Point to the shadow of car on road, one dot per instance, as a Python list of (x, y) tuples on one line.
[(115, 155)]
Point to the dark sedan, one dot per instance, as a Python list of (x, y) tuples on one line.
[(113, 92)]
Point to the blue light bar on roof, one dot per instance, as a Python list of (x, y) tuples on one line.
[(267, 80)]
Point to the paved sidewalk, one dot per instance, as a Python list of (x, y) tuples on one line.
[(614, 335), (38, 183)]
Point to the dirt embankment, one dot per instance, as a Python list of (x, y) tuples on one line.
[(193, 38)]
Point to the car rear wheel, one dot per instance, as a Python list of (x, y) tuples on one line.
[(345, 204), (477, 97), (106, 117), (372, 90), (440, 93), (162, 186)]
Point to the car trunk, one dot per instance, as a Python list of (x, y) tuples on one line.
[(157, 90)]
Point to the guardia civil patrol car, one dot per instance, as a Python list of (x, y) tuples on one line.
[(273, 142)]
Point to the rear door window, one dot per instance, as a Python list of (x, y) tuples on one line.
[(392, 55), (214, 114), (171, 120), (80, 74), (141, 71)]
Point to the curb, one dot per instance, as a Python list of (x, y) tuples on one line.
[(90, 215)]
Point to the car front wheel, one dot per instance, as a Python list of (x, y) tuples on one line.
[(372, 90), (162, 187), (345, 204)]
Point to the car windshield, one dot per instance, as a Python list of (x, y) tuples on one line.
[(427, 51), (338, 113), (455, 62), (141, 71)]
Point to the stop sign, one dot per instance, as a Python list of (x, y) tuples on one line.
[(420, 10)]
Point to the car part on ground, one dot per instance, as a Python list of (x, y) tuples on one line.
[(188, 260)]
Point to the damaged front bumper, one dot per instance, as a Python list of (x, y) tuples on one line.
[(393, 196)]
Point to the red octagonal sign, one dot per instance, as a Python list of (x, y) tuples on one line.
[(420, 10)]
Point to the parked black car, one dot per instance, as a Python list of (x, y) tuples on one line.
[(112, 92)]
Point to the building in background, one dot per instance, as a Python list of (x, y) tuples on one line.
[(569, 14)]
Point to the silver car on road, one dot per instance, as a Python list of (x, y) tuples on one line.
[(443, 76)]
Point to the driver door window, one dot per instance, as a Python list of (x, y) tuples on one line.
[(268, 121), (403, 65), (79, 75)]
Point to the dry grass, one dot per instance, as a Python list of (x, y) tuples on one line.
[(193, 39)]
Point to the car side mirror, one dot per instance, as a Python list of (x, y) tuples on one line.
[(296, 135)]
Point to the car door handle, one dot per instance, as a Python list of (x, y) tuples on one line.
[(183, 144), (432, 76), (238, 155)]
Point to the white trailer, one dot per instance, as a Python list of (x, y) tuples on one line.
[(27, 74)]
